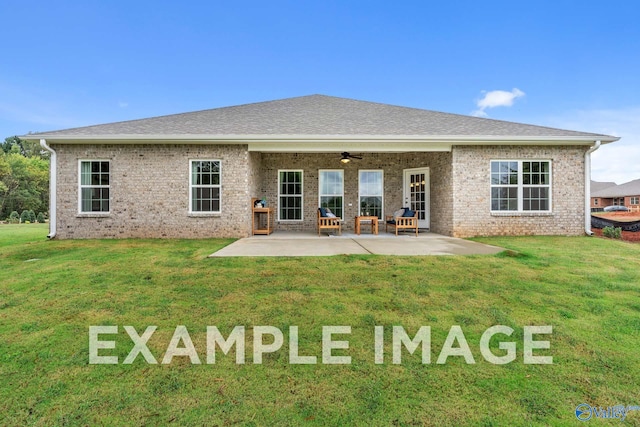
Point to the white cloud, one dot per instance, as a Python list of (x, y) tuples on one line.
[(123, 104), (496, 98), (618, 161)]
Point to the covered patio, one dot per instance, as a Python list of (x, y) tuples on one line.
[(375, 183), (289, 243)]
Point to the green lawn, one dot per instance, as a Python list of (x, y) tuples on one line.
[(51, 292)]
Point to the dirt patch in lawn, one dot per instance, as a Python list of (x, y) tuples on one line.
[(629, 236), (619, 216)]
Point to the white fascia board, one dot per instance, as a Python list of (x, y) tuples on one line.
[(302, 140)]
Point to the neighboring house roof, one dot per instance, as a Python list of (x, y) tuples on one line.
[(631, 188), (599, 185), (318, 117)]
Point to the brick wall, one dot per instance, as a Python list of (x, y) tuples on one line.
[(391, 163), (150, 191), (472, 194)]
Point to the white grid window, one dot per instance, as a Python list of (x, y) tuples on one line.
[(521, 185), (331, 191), (94, 186), (371, 192), (204, 186), (635, 200), (290, 186)]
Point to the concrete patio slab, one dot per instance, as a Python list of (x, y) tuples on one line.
[(309, 244)]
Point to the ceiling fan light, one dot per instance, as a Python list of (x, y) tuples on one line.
[(345, 160)]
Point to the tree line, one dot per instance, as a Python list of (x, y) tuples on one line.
[(24, 180)]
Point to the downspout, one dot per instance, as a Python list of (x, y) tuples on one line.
[(587, 188), (52, 188)]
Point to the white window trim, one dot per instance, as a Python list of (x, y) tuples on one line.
[(320, 187), (80, 187), (301, 195), (369, 195), (634, 200), (520, 187), (191, 186)]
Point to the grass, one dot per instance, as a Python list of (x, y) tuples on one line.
[(588, 289)]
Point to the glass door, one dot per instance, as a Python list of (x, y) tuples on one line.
[(417, 195)]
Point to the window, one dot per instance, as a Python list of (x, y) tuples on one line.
[(94, 186), (618, 201), (204, 186), (331, 191), (596, 202), (370, 185), (635, 200), (290, 195), (521, 186)]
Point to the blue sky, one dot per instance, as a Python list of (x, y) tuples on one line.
[(567, 64)]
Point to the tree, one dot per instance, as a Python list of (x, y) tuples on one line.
[(24, 176), (13, 144), (9, 142), (24, 183)]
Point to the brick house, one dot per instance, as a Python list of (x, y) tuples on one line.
[(194, 175), (610, 194)]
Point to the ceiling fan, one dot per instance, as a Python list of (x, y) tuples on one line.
[(346, 157)]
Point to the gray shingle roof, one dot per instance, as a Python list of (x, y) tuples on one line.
[(631, 188), (600, 185), (318, 115)]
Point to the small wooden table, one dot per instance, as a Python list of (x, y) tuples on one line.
[(374, 223), (261, 219)]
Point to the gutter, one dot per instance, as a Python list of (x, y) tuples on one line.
[(587, 188), (292, 138), (53, 166)]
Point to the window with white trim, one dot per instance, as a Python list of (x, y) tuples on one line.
[(521, 185), (204, 186), (596, 202), (371, 192), (94, 186), (290, 185), (331, 191), (634, 200)]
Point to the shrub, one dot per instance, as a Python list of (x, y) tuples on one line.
[(14, 218), (40, 218), (612, 232), (24, 216), (32, 217)]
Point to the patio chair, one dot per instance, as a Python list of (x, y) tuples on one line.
[(326, 222), (404, 219)]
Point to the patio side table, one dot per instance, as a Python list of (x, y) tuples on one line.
[(372, 219)]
